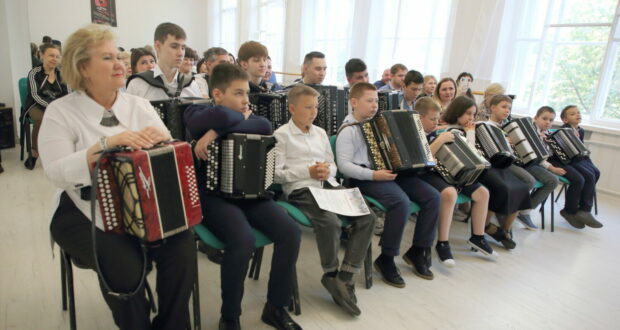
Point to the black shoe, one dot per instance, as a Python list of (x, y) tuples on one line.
[(481, 244), (229, 324), (278, 318), (390, 273), (502, 237), (419, 258), (589, 220), (30, 163), (573, 219), (445, 254), (213, 254), (340, 293)]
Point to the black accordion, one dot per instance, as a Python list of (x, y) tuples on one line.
[(459, 163), (566, 145), (396, 141), (528, 146), (333, 108), (273, 106), (493, 145), (171, 113), (241, 166), (388, 100)]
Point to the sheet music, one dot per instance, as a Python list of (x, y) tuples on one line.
[(347, 202)]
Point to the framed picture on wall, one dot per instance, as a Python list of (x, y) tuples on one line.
[(103, 12)]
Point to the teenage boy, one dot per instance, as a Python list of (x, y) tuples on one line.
[(252, 58), (392, 190), (356, 71), (165, 81), (396, 83), (304, 159), (413, 86), (314, 68), (232, 220)]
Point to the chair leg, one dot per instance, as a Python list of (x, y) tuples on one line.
[(21, 141), (28, 140), (71, 295), (368, 267), (196, 300), (63, 280), (542, 213), (552, 212), (560, 193), (595, 203), (296, 302), (259, 261), (253, 264)]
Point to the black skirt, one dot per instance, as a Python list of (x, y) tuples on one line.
[(507, 193)]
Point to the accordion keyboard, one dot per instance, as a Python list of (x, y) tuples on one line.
[(228, 164)]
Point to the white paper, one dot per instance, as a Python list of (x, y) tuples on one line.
[(347, 202)]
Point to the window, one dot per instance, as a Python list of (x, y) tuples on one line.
[(562, 52), (413, 33), (228, 30), (270, 29)]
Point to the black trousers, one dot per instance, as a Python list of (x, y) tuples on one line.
[(120, 260), (232, 221)]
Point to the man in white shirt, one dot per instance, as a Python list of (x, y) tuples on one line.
[(304, 159), (166, 82)]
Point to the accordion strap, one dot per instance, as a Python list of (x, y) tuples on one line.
[(149, 78), (93, 200)]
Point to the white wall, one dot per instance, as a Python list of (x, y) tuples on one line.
[(136, 20)]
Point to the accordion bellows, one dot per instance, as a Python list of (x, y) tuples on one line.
[(396, 141), (492, 143), (458, 163), (273, 106), (171, 113), (528, 146), (241, 166), (151, 194), (566, 145)]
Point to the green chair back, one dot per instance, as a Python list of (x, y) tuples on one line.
[(22, 85)]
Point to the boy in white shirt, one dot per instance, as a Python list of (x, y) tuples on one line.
[(304, 159)]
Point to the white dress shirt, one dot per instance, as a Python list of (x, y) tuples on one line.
[(296, 151), (139, 87), (353, 152), (71, 126)]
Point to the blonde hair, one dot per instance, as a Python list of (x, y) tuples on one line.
[(124, 55), (300, 90), (494, 89), (426, 104), (77, 53)]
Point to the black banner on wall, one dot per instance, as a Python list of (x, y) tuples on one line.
[(103, 12)]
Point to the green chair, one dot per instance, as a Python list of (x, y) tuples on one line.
[(301, 218), (207, 237)]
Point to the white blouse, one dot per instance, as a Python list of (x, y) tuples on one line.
[(71, 126)]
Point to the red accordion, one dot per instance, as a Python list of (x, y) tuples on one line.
[(151, 194)]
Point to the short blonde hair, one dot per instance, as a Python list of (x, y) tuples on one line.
[(77, 53), (426, 104), (300, 90), (494, 89), (124, 55)]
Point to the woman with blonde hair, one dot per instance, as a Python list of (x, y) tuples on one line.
[(75, 129), (484, 109)]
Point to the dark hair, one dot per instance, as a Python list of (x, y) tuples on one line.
[(465, 74), (233, 57), (312, 55), (120, 49), (358, 89), (199, 64), (544, 109), (443, 80), (224, 74), (497, 99), (138, 53), (566, 108), (415, 77), (45, 47), (457, 108), (251, 49), (190, 53), (397, 67), (47, 40), (354, 65), (164, 29), (210, 54), (57, 43)]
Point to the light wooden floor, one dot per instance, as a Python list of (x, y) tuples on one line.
[(568, 279)]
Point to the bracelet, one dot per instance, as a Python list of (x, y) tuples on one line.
[(103, 142)]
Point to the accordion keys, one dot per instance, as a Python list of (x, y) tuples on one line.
[(566, 145)]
